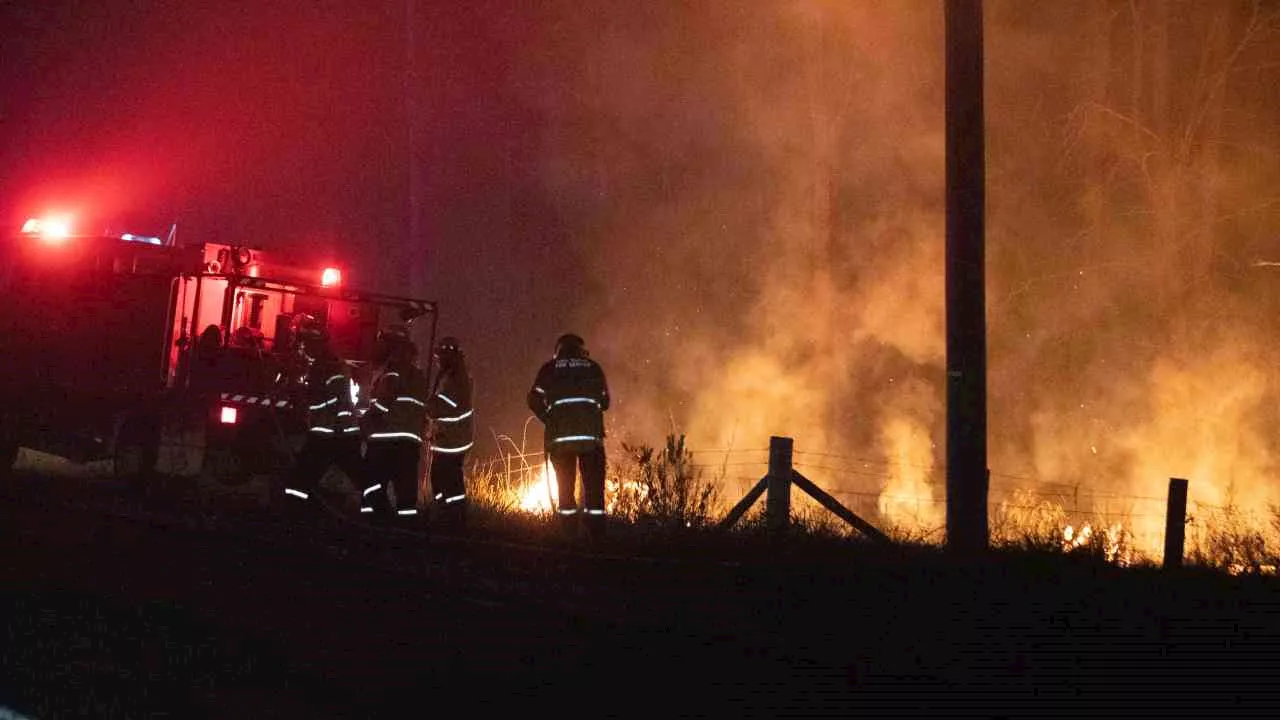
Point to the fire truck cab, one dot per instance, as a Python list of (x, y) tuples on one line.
[(169, 359)]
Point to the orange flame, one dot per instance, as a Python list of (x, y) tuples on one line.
[(908, 497), (537, 496)]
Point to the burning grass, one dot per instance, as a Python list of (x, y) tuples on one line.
[(655, 494), (1028, 522), (1234, 541), (651, 489)]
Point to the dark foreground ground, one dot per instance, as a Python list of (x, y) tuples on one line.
[(114, 608)]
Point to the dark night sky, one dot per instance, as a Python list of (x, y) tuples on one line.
[(285, 123)]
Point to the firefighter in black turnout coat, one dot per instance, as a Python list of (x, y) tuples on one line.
[(333, 435), (394, 426), (570, 395), (451, 413)]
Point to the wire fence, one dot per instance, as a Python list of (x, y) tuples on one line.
[(870, 485)]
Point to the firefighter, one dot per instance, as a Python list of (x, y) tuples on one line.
[(570, 395), (394, 425), (204, 366), (451, 414), (243, 366), (333, 433)]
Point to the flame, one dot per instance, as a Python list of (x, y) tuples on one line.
[(908, 497), (539, 495), (622, 492), (1140, 350), (1204, 426), (1115, 541), (536, 496), (1072, 538), (1240, 569)]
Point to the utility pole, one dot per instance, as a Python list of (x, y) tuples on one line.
[(967, 477), (415, 255)]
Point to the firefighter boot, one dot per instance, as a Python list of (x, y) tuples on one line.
[(453, 518), (375, 507), (461, 519), (421, 524), (567, 523), (594, 523), (411, 520), (302, 515)]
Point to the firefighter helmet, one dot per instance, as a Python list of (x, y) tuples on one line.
[(308, 328), (570, 345), (448, 351), (247, 337), (394, 342), (311, 336)]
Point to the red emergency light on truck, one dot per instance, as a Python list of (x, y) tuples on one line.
[(164, 357)]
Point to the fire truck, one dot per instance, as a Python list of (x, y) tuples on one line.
[(170, 360)]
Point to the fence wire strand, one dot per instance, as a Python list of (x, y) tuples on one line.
[(1077, 499)]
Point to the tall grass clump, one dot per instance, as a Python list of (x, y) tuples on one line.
[(1233, 541), (662, 487), (498, 482)]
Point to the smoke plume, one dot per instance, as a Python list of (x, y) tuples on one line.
[(761, 190)]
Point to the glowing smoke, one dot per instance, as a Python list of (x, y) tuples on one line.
[(761, 185)]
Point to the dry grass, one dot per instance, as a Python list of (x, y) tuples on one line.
[(1234, 541), (653, 491), (656, 494), (1031, 523)]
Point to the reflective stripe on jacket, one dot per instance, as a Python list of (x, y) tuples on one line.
[(570, 395), (452, 414), (330, 405), (399, 407)]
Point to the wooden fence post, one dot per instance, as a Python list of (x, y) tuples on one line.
[(1175, 523), (778, 501)]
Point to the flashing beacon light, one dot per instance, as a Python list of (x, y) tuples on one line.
[(331, 277), (50, 229), (227, 415)]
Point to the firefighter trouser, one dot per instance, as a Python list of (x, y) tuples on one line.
[(449, 488), (592, 464), (447, 483), (394, 463), (319, 453)]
